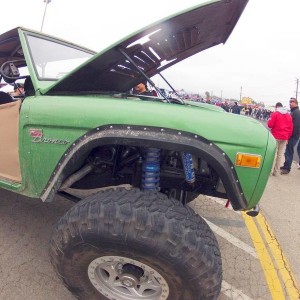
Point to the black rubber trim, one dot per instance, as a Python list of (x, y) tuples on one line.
[(152, 137)]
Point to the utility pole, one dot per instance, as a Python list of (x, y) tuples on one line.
[(297, 82), (46, 1), (241, 93)]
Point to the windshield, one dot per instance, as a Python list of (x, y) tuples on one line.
[(53, 59)]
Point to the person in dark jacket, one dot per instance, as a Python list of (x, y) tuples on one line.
[(281, 125), (235, 109), (298, 151), (289, 151)]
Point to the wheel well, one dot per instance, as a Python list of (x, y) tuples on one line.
[(112, 155)]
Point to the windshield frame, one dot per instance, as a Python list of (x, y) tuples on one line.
[(56, 43)]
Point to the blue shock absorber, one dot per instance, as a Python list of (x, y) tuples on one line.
[(151, 169), (188, 167)]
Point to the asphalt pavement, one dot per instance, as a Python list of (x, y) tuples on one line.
[(280, 205), (26, 224)]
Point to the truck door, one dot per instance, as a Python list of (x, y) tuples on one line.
[(9, 141)]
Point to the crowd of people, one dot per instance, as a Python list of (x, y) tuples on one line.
[(261, 113)]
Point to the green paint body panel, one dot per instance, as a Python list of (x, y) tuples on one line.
[(67, 118)]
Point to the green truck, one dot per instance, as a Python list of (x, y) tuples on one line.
[(79, 127)]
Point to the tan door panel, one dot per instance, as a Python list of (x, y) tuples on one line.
[(9, 141)]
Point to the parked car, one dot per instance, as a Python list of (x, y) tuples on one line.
[(78, 127)]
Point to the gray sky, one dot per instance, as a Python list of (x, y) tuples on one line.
[(261, 55)]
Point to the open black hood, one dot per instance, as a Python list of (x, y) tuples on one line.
[(154, 48)]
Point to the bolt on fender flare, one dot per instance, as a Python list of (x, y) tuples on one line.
[(150, 136)]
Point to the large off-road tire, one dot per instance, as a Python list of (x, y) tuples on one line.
[(127, 244)]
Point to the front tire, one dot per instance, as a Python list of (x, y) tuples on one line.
[(128, 244)]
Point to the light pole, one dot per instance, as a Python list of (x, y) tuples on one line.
[(241, 93), (46, 1)]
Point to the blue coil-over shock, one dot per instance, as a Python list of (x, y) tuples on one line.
[(151, 169), (188, 167)]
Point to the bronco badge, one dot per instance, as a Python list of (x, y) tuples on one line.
[(37, 137)]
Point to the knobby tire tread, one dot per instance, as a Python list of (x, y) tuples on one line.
[(149, 219)]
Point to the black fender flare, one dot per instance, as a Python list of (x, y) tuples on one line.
[(148, 136)]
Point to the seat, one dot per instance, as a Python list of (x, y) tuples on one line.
[(5, 98)]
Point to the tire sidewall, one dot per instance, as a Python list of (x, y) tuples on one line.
[(78, 258)]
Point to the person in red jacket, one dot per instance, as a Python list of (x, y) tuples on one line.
[(281, 125)]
